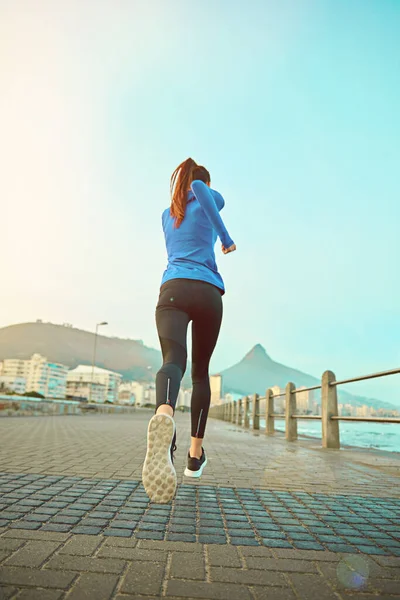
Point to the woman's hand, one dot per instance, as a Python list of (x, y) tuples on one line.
[(230, 249)]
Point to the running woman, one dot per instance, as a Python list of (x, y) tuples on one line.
[(191, 290)]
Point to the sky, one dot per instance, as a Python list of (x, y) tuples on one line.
[(293, 108)]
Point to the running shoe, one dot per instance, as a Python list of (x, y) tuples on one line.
[(159, 475), (195, 466)]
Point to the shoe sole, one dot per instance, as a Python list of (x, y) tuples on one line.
[(159, 475), (198, 473)]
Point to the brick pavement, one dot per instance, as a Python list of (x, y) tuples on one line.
[(268, 520)]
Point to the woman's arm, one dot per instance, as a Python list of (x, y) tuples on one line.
[(207, 203)]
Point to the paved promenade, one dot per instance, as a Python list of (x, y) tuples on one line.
[(267, 520)]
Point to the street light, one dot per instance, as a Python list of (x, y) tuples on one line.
[(94, 357)]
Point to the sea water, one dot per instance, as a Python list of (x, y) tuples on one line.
[(382, 436)]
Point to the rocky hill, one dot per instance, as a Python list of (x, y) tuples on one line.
[(257, 371), (73, 347)]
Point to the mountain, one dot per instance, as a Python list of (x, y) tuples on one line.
[(256, 372), (73, 347)]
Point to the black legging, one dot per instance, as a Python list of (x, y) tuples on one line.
[(182, 301)]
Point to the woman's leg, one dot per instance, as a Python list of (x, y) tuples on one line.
[(158, 474), (172, 331), (205, 330)]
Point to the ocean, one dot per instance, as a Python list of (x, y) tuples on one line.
[(382, 436)]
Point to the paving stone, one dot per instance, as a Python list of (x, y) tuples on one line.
[(280, 564), (88, 530), (135, 553), (39, 594), (243, 541), (7, 592), (90, 586), (387, 561), (56, 527), (247, 576), (181, 537), (213, 591), (118, 542), (260, 551), (25, 525), (305, 545), (291, 554), (193, 567), (125, 533), (143, 581), (35, 535), (35, 577), (224, 556), (304, 583), (33, 554), (9, 544), (386, 586), (81, 546), (176, 546), (84, 563), (158, 535), (212, 539), (276, 543), (65, 520)]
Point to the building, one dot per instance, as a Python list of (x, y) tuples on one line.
[(304, 400), (80, 390), (363, 411), (100, 386), (279, 403), (12, 384), (149, 396), (46, 378), (184, 399), (216, 389), (125, 393)]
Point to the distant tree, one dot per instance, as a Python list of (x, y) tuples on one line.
[(33, 395)]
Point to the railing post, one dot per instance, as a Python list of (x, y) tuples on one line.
[(269, 411), (329, 408), (256, 411), (234, 409), (290, 405), (239, 412), (246, 411)]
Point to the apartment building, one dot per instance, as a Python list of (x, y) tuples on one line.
[(104, 384), (42, 376)]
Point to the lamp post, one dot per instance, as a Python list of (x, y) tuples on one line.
[(94, 357)]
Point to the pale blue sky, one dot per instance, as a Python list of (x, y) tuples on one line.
[(291, 105)]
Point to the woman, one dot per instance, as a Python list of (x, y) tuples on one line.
[(191, 290)]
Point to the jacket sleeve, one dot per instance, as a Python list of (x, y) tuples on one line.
[(207, 203)]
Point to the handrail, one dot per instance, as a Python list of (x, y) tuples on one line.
[(238, 412), (364, 377), (367, 419), (309, 389), (317, 417)]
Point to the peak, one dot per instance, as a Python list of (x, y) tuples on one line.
[(257, 352)]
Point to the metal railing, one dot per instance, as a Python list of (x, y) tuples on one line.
[(239, 411)]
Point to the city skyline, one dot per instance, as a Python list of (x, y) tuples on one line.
[(256, 353), (293, 107)]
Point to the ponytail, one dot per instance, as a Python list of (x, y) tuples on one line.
[(181, 179)]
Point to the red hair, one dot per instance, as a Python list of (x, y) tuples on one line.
[(181, 179)]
